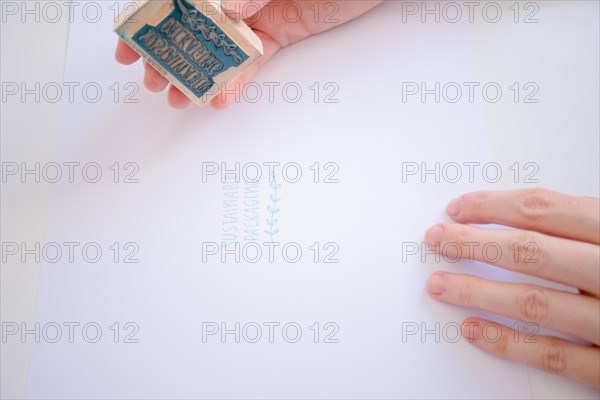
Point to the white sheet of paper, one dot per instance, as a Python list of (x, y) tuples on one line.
[(370, 296)]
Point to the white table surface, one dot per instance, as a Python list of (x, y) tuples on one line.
[(560, 134)]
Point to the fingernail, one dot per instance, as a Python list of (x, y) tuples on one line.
[(455, 206), (471, 331), (434, 236), (436, 284)]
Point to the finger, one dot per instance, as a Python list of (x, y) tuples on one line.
[(246, 10), (153, 80), (177, 99), (565, 312), (550, 354), (233, 90), (560, 260), (541, 210), (125, 54)]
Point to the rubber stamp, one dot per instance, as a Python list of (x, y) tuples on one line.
[(192, 43)]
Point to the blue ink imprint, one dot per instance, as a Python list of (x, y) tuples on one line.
[(272, 209)]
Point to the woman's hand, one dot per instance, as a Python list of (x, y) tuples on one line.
[(276, 28), (557, 238)]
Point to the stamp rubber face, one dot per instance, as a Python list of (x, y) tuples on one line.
[(197, 53)]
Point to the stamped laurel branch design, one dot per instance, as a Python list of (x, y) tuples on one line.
[(198, 23), (273, 209)]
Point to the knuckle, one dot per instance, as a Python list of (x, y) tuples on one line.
[(553, 358), (502, 346), (475, 203), (461, 235), (536, 204), (527, 247), (454, 242), (533, 306), (464, 294)]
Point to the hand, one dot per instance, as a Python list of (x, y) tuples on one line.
[(557, 238), (277, 29)]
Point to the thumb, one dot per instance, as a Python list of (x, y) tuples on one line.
[(242, 9)]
